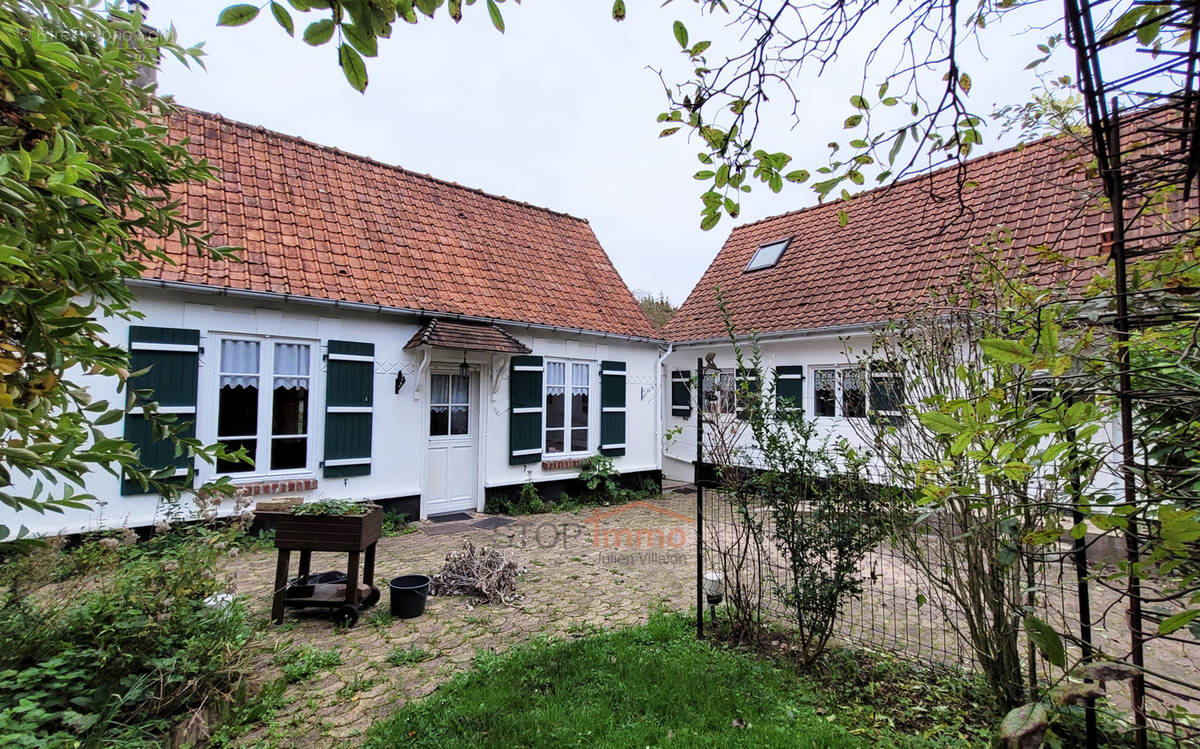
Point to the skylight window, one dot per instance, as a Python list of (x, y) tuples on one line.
[(768, 255)]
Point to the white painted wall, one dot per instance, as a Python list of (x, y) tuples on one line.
[(679, 454), (400, 422)]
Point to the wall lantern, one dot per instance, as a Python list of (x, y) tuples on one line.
[(464, 369), (714, 590), (400, 380)]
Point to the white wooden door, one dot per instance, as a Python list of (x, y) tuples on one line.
[(452, 426)]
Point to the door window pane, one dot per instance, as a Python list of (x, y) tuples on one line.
[(449, 405), (458, 419), (824, 392)]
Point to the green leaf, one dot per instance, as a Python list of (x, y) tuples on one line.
[(800, 175), (283, 18), (704, 174), (852, 121), (681, 34), (353, 67), (709, 221), (940, 422), (964, 82), (843, 217), (619, 10), (1008, 352), (1047, 640), (494, 12), (858, 102), (362, 41), (668, 131), (1177, 621), (319, 32), (237, 15)]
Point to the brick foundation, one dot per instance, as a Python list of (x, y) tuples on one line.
[(562, 465), (261, 488)]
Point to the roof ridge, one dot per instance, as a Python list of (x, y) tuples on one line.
[(891, 185), (368, 160)]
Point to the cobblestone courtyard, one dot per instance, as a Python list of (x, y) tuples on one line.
[(578, 579)]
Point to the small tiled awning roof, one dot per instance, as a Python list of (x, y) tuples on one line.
[(466, 336)]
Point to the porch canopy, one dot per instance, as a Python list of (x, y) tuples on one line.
[(467, 337)]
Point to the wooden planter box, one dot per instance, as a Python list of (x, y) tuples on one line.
[(328, 532)]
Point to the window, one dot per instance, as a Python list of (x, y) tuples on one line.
[(839, 391), (768, 255), (567, 407), (449, 404), (720, 392), (269, 419)]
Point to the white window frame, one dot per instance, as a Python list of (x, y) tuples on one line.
[(264, 438), (838, 399), (568, 425)]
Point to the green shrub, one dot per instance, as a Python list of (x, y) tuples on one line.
[(121, 654), (396, 524)]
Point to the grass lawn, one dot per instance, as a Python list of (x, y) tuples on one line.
[(653, 685)]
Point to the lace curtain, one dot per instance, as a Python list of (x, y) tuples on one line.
[(239, 364), (291, 359)]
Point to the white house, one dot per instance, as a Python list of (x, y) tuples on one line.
[(388, 336), (814, 287)]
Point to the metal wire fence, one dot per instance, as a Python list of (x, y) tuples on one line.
[(898, 610)]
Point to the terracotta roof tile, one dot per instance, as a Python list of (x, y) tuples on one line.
[(319, 222), (899, 241)]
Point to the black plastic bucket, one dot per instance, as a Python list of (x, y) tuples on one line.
[(408, 594)]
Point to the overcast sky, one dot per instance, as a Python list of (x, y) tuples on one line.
[(558, 111)]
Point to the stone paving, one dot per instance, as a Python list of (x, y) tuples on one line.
[(580, 576)]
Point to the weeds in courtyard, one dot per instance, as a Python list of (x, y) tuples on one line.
[(303, 662), (405, 656)]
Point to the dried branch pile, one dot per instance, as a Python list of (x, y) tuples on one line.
[(483, 572)]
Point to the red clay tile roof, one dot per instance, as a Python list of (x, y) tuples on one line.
[(319, 222), (466, 336), (898, 243)]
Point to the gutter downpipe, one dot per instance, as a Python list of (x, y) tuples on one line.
[(658, 407)]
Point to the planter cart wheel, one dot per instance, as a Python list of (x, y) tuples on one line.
[(372, 598), (346, 615)]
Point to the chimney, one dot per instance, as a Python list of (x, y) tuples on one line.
[(147, 74)]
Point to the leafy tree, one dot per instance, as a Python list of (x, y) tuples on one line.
[(87, 172), (658, 308)]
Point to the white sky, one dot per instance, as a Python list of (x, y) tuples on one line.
[(559, 111)]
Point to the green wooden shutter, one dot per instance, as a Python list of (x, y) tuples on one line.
[(612, 408), (525, 410), (886, 393), (752, 382), (681, 393), (789, 389), (349, 408), (173, 358)]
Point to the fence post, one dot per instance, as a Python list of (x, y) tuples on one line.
[(698, 477)]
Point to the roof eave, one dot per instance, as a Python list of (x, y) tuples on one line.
[(228, 291), (828, 331)]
